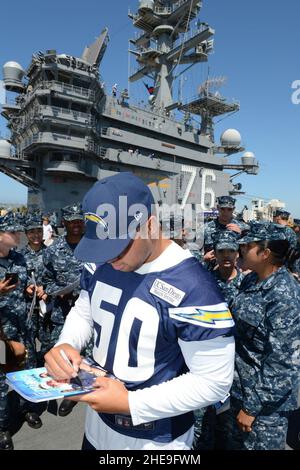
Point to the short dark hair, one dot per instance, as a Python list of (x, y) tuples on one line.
[(280, 250)]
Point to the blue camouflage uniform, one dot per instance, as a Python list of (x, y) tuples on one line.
[(289, 232), (34, 261), (266, 376), (12, 306), (206, 418), (295, 268), (35, 265), (291, 237), (213, 228), (230, 289), (61, 269), (297, 225)]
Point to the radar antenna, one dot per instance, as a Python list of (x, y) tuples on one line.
[(211, 84)]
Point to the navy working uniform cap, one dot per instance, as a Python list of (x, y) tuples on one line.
[(297, 222), (260, 231), (281, 213), (11, 222), (73, 212), (226, 240), (113, 208), (226, 201), (33, 221)]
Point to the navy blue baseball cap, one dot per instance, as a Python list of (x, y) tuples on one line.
[(114, 208)]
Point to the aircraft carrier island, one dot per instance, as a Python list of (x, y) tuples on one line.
[(68, 131)]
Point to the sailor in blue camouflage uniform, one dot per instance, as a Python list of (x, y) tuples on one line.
[(13, 317), (293, 433), (266, 313), (33, 254), (227, 274), (10, 261), (34, 250), (6, 442), (224, 222), (296, 229), (295, 267), (281, 217), (228, 278), (62, 269)]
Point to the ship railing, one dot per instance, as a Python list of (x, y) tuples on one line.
[(43, 137), (35, 138), (103, 152), (73, 89), (19, 154), (64, 88), (163, 10), (104, 131), (166, 10), (139, 36), (181, 2), (27, 142), (151, 48), (190, 34), (170, 9), (187, 36), (97, 149), (67, 112), (214, 96)]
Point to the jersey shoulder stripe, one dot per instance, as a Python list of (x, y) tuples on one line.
[(91, 267), (211, 316)]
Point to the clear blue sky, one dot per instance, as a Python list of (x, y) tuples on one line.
[(256, 47)]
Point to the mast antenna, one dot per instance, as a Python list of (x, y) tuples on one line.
[(211, 84)]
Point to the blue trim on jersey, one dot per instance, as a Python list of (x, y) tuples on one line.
[(143, 348), (162, 430), (133, 342)]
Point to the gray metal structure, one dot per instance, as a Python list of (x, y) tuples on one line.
[(67, 131)]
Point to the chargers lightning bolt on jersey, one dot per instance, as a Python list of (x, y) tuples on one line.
[(146, 325)]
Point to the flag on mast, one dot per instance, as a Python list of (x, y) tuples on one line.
[(149, 88)]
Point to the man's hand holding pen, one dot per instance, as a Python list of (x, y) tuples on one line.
[(110, 396), (60, 368)]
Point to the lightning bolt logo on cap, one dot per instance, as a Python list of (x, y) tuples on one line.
[(96, 219)]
